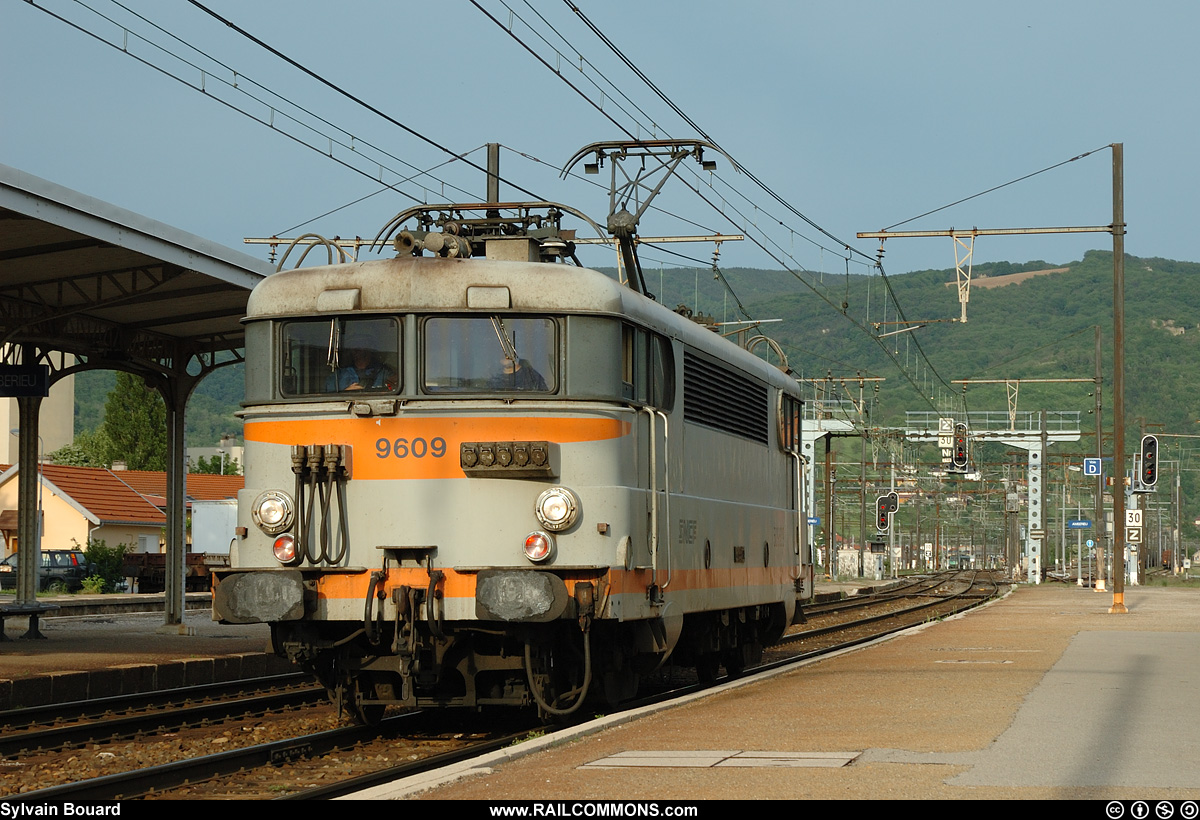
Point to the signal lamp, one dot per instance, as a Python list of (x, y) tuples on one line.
[(285, 550), (538, 546)]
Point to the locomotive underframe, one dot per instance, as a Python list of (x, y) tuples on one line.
[(493, 663)]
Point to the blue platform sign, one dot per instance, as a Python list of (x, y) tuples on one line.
[(23, 380), (1091, 466), (1079, 524), (814, 520)]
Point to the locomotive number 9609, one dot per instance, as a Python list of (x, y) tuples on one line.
[(414, 448)]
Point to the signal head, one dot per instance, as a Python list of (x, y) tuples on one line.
[(960, 455), (1149, 461)]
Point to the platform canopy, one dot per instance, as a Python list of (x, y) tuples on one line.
[(85, 285), (87, 278)]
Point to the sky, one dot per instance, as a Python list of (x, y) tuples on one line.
[(857, 114)]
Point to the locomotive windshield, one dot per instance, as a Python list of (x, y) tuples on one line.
[(490, 354), (341, 356)]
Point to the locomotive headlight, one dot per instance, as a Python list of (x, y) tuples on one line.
[(273, 512), (538, 546), (557, 508)]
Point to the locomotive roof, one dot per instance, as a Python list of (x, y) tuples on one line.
[(436, 284)]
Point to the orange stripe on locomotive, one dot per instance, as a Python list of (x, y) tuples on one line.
[(461, 584), (370, 438)]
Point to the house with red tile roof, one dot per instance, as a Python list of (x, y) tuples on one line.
[(198, 487), (115, 506)]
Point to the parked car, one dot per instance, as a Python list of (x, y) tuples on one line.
[(62, 571)]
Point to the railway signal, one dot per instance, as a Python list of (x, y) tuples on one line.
[(1149, 461), (960, 455), (885, 505)]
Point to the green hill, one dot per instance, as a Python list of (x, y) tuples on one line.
[(1037, 326)]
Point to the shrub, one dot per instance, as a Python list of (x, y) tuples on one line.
[(108, 561)]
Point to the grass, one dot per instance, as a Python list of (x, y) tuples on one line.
[(534, 734), (1187, 580)]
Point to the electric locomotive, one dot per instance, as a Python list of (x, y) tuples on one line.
[(480, 474)]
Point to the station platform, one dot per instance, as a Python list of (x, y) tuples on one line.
[(1040, 695), (102, 645)]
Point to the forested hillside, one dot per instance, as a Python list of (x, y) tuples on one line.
[(1041, 327)]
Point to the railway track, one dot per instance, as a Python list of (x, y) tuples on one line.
[(343, 760), (70, 725)]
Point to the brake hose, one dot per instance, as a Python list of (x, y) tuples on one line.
[(583, 690), (369, 626), (308, 513), (435, 624), (343, 525)]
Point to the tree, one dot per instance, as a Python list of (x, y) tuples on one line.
[(213, 466), (135, 422), (89, 449)]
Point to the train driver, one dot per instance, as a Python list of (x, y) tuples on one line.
[(517, 374), (367, 369)]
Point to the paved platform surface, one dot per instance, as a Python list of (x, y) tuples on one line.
[(1042, 695), (95, 646)]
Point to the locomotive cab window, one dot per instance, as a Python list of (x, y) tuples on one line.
[(790, 409), (647, 368), (490, 354), (332, 356)]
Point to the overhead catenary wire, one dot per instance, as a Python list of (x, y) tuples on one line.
[(616, 89), (584, 179), (243, 78), (766, 238), (738, 166), (846, 315), (357, 100), (694, 125), (237, 87), (995, 188), (360, 199), (437, 145), (540, 59), (653, 126)]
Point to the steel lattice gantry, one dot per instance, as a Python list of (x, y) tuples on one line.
[(1033, 432), (85, 285)]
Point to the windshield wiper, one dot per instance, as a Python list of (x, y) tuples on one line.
[(510, 350), (335, 342)]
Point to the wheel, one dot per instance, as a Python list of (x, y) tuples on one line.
[(734, 663), (368, 715), (362, 714), (708, 666)]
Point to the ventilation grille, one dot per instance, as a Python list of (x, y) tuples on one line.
[(725, 401)]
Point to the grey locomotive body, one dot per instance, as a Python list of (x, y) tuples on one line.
[(474, 482)]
